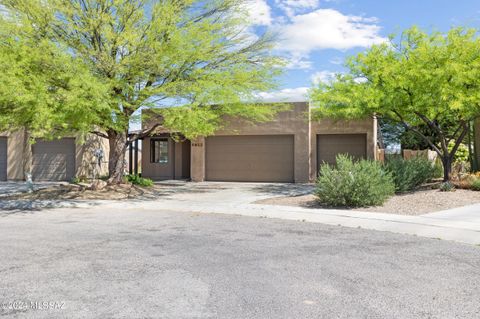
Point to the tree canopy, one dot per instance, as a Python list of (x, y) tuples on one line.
[(198, 54), (422, 79), (43, 89)]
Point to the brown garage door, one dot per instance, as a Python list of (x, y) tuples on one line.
[(54, 160), (250, 158), (330, 145), (3, 158)]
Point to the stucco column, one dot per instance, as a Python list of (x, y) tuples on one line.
[(197, 160), (302, 148), (476, 140)]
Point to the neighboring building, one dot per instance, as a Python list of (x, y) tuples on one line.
[(55, 160), (289, 149)]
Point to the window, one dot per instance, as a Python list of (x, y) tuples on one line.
[(159, 151)]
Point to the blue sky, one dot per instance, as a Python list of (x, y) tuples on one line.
[(317, 35)]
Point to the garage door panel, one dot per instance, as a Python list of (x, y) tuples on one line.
[(330, 145), (250, 158), (3, 158), (53, 160)]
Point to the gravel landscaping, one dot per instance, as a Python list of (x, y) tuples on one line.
[(416, 203)]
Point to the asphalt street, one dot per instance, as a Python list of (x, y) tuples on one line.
[(136, 263)]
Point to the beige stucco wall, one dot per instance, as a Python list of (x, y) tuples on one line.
[(477, 141), (175, 168), (14, 154), (83, 158), (327, 126), (292, 122), (197, 160), (85, 161), (298, 123)]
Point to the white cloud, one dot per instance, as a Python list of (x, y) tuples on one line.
[(322, 77), (259, 12), (337, 60), (328, 29), (286, 95), (298, 62), (292, 7)]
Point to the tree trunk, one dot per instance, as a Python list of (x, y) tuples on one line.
[(116, 161), (447, 167), (27, 154)]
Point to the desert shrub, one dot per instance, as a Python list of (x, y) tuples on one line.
[(140, 181), (78, 179), (103, 177), (438, 169), (476, 185), (411, 173), (354, 184), (447, 187)]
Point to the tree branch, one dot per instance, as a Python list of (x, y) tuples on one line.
[(416, 131), (98, 133), (143, 134), (459, 140)]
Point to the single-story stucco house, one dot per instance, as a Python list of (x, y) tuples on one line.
[(288, 149)]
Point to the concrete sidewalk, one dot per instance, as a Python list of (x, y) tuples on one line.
[(461, 224), (452, 228), (445, 225)]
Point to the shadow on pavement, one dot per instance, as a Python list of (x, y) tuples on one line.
[(287, 189)]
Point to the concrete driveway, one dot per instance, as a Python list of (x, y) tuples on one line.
[(151, 263)]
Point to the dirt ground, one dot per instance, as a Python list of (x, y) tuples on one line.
[(415, 203), (71, 191)]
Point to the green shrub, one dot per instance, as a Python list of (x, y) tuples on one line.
[(476, 185), (78, 180), (447, 187), (410, 174), (140, 181), (354, 184), (438, 169)]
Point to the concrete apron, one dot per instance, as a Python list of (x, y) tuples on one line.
[(446, 225)]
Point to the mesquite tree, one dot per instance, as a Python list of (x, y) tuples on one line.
[(422, 80), (43, 90), (202, 55)]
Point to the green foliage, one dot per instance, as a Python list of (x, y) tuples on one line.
[(354, 184), (151, 54), (44, 89), (438, 169), (462, 154), (78, 179), (412, 141), (140, 181), (476, 184), (447, 187), (423, 80), (410, 174)]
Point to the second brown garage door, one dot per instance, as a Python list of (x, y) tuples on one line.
[(330, 145), (53, 160), (250, 158)]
